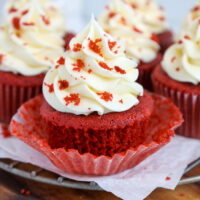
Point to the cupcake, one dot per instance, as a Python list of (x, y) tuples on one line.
[(128, 24), (154, 18), (31, 41), (178, 77), (94, 117)]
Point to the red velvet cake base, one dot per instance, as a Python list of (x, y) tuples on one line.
[(145, 71), (165, 40), (15, 90), (67, 38), (100, 135), (186, 96), (165, 117)]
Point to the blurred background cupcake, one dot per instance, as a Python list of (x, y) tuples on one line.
[(31, 40), (178, 77), (129, 22)]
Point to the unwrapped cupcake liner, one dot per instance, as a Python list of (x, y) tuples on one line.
[(189, 105), (12, 97), (27, 125)]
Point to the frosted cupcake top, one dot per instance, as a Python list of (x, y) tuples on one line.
[(31, 37), (182, 60), (152, 15), (124, 22), (94, 75)]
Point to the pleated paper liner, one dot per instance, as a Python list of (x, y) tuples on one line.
[(189, 105), (12, 97), (27, 125)]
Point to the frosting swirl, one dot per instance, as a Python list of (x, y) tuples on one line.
[(182, 60), (126, 24), (93, 76), (152, 15), (31, 37)]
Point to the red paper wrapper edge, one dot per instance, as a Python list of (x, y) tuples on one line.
[(189, 105), (11, 97), (30, 129)]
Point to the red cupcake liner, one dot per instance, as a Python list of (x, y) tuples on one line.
[(12, 97), (28, 126), (145, 71), (189, 105)]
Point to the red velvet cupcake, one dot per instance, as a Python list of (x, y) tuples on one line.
[(30, 43), (179, 78), (94, 118), (141, 25)]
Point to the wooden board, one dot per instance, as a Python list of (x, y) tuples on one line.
[(10, 187)]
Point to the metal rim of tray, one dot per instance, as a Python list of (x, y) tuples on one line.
[(64, 182)]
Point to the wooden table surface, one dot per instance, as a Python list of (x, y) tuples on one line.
[(10, 187)]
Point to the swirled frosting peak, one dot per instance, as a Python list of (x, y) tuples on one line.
[(94, 75), (31, 36), (125, 23), (152, 15), (182, 60)]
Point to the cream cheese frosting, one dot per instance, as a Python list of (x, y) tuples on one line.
[(182, 60), (152, 15), (31, 37), (94, 75), (126, 24)]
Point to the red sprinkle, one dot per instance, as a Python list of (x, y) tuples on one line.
[(16, 23), (180, 42), (105, 66), (45, 20), (79, 65), (167, 178), (121, 101), (28, 24), (116, 52), (137, 30), (154, 37), (72, 98), (51, 87), (161, 18), (25, 12), (12, 10), (5, 131), (120, 70), (1, 58), (195, 9), (106, 96), (57, 66), (63, 84), (173, 59), (61, 61), (94, 47), (112, 14), (77, 47), (134, 6), (89, 108), (177, 69), (89, 71), (187, 37), (111, 44), (182, 195), (22, 191), (123, 20), (28, 193)]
